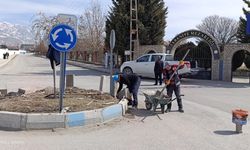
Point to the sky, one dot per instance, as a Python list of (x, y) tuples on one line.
[(182, 14)]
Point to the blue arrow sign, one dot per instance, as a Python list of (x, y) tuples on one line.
[(63, 38)]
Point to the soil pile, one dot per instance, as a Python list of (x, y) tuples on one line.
[(42, 101)]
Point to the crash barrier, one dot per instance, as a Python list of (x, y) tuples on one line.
[(27, 121), (239, 117)]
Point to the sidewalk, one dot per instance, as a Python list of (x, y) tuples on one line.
[(4, 62), (99, 68)]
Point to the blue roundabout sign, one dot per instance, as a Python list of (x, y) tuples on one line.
[(63, 37)]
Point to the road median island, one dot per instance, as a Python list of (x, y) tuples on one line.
[(40, 110)]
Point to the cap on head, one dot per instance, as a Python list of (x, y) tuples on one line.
[(115, 77), (167, 66)]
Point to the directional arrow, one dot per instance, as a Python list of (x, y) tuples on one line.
[(55, 36), (63, 37), (69, 32), (65, 45)]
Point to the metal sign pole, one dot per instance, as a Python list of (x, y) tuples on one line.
[(112, 45), (62, 79), (54, 78), (63, 38), (111, 72)]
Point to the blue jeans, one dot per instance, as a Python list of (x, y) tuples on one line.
[(134, 91)]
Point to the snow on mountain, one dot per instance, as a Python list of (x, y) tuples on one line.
[(14, 34)]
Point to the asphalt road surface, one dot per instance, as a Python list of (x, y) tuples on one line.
[(205, 125)]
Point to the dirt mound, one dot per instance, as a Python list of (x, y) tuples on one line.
[(75, 99)]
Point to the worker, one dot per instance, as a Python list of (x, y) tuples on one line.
[(133, 82), (158, 70), (173, 84)]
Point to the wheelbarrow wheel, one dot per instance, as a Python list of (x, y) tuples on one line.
[(148, 105), (162, 108)]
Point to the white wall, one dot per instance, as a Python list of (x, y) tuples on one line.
[(11, 52), (2, 51)]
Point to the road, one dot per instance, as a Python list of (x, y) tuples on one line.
[(205, 125), (34, 73)]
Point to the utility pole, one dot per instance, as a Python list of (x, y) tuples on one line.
[(134, 41)]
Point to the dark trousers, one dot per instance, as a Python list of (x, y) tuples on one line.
[(134, 91), (177, 91), (158, 76)]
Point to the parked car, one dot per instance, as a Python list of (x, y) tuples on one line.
[(144, 65)]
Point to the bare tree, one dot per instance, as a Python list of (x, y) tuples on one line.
[(223, 29), (42, 25), (91, 27)]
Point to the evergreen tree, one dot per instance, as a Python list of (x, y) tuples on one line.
[(152, 17), (118, 19), (151, 23), (242, 36)]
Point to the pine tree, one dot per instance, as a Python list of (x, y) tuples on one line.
[(241, 34), (118, 19), (151, 23), (152, 17)]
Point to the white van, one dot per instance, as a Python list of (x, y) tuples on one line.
[(144, 65)]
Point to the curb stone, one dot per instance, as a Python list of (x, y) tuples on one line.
[(29, 121), (112, 112)]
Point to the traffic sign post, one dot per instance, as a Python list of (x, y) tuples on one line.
[(63, 38), (62, 79), (112, 45)]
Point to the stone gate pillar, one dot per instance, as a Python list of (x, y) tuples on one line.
[(227, 72), (215, 72)]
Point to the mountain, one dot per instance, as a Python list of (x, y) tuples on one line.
[(15, 34)]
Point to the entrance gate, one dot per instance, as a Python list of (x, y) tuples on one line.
[(214, 48)]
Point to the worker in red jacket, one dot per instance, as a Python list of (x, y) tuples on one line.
[(173, 84)]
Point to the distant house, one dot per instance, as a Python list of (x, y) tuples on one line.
[(13, 50), (3, 47), (27, 47)]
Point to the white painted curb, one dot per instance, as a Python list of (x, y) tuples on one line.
[(27, 121)]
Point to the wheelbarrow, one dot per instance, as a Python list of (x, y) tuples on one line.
[(152, 101)]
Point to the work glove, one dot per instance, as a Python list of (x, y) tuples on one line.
[(181, 62), (167, 82)]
